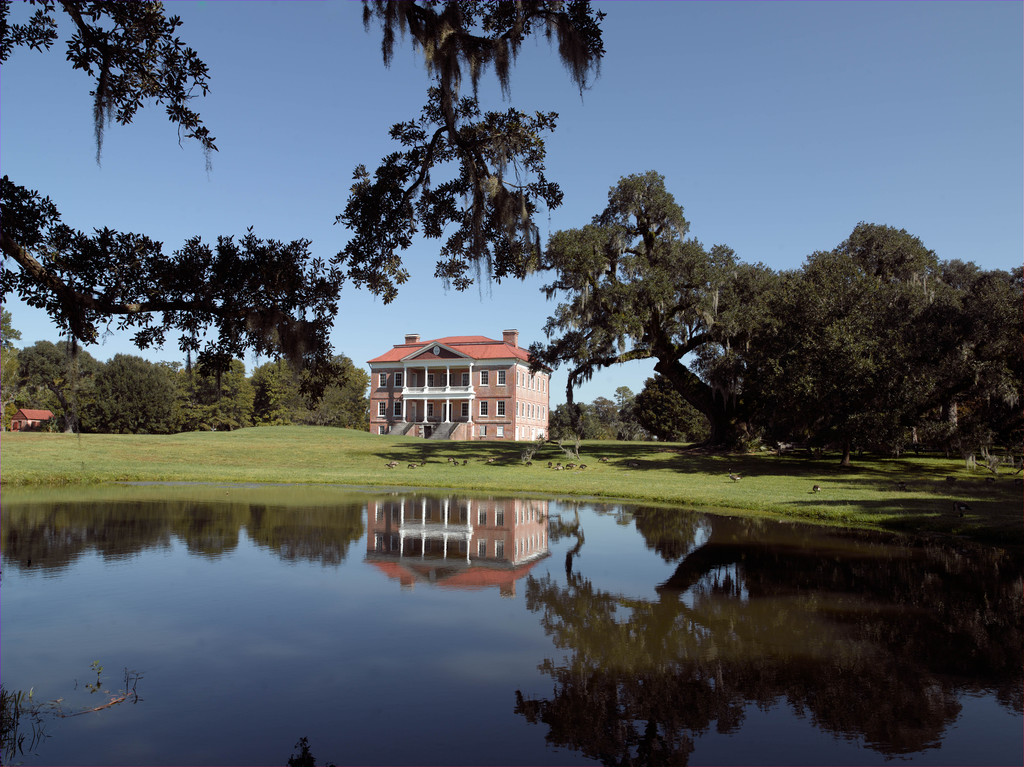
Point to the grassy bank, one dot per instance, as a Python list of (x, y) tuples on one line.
[(867, 495)]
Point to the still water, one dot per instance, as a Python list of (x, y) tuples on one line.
[(424, 628)]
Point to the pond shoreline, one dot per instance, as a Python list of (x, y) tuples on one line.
[(911, 495)]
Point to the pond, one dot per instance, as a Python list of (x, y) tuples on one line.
[(219, 625)]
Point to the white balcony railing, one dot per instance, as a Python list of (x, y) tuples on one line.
[(451, 392)]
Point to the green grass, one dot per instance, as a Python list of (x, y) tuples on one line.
[(865, 495)]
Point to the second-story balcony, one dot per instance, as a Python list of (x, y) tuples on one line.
[(440, 392)]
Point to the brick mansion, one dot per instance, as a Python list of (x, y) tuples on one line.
[(459, 388)]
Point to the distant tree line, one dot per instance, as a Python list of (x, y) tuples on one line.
[(130, 395), (876, 344), (657, 412)]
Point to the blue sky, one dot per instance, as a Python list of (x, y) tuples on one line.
[(778, 126)]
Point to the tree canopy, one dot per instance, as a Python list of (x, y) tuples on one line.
[(636, 288), (250, 294), (875, 343)]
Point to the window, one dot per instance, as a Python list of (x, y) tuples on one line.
[(382, 429), (483, 407), (501, 378), (465, 410), (481, 517), (465, 379), (430, 410), (481, 548), (398, 380), (383, 380), (382, 409), (483, 431), (430, 379), (380, 514), (501, 407), (484, 377), (499, 549), (499, 518), (398, 407), (500, 431)]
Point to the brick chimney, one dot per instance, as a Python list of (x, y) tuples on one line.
[(412, 338), (511, 337)]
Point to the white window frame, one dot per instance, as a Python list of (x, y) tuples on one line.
[(397, 410), (465, 409), (483, 431), (501, 378), (484, 377), (484, 408), (465, 379), (383, 380), (501, 408), (398, 380), (382, 409), (430, 379), (499, 431), (430, 410)]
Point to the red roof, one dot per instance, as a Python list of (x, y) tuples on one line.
[(473, 347), (25, 414), (471, 578)]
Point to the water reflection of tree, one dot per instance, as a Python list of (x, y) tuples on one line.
[(52, 536), (871, 641)]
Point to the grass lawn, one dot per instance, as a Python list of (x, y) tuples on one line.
[(866, 495)]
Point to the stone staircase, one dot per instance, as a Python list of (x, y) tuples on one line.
[(443, 430)]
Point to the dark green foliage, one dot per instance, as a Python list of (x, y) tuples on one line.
[(635, 288), (666, 415), (134, 396), (279, 397), (217, 401), (876, 342), (59, 378), (8, 370)]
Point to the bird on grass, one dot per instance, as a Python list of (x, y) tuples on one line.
[(816, 489), (960, 507), (735, 477)]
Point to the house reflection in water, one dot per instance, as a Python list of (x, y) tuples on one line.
[(460, 543)]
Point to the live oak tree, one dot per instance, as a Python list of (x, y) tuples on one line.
[(488, 205), (636, 288), (876, 338), (248, 294)]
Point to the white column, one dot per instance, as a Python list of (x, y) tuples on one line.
[(447, 410), (447, 377)]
